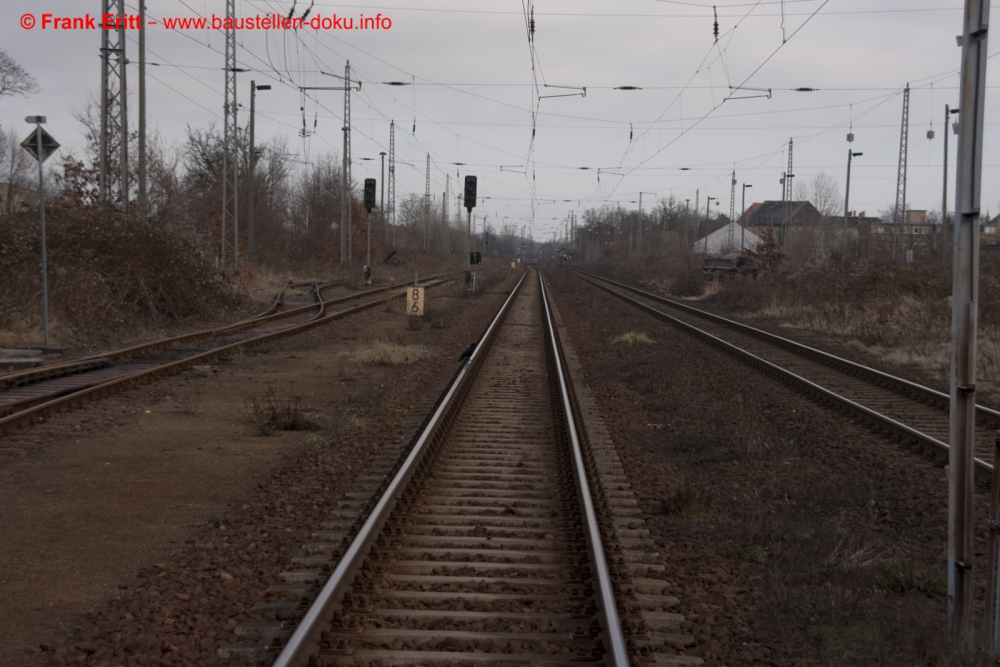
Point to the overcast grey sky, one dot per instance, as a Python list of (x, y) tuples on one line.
[(473, 97)]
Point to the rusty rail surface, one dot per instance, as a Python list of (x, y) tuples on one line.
[(271, 314), (36, 411)]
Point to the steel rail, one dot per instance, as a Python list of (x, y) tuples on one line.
[(876, 418), (304, 641), (103, 359), (35, 412), (609, 619), (922, 392)]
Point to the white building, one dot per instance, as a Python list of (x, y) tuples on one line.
[(725, 240)]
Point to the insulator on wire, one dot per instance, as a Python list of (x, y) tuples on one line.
[(716, 12)]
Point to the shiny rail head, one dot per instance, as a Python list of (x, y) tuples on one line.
[(305, 638)]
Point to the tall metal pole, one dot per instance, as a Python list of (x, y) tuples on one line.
[(345, 189), (964, 304), (732, 208), (904, 138), (142, 111), (708, 215), (230, 158), (114, 108), (381, 205), (41, 216), (743, 227), (427, 204), (944, 189), (847, 195), (392, 179), (251, 178)]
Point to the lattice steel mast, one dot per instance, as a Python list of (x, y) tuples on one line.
[(114, 110), (345, 190), (904, 139), (230, 154), (392, 179)]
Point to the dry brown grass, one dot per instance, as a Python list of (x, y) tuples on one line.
[(632, 338), (384, 351)]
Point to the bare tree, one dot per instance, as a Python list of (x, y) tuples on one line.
[(823, 193), (15, 174), (14, 79)]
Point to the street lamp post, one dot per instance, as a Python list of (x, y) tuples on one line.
[(708, 213), (847, 194), (743, 242), (253, 169)]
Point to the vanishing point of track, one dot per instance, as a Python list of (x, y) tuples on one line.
[(502, 536)]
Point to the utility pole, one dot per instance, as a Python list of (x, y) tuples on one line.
[(392, 179), (381, 205), (445, 212), (708, 215), (904, 136), (230, 153), (944, 191), (732, 208), (743, 227), (114, 109), (252, 178), (847, 194), (345, 194), (427, 203), (142, 111), (964, 305), (789, 193)]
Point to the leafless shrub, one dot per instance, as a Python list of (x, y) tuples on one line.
[(190, 398), (270, 413)]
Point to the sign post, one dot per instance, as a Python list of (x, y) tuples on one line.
[(415, 301), (40, 144)]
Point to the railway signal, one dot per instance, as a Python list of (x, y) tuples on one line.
[(369, 205), (470, 203)]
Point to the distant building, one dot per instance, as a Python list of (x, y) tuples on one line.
[(793, 214), (913, 239), (728, 239)]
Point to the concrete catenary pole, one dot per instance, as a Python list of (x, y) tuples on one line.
[(964, 303)]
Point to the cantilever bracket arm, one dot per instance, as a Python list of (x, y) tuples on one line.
[(583, 92), (764, 92)]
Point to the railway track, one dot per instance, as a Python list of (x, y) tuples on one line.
[(908, 410), (502, 536), (30, 396)]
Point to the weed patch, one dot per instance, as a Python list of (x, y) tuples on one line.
[(632, 338), (387, 352), (685, 502), (270, 413), (906, 577)]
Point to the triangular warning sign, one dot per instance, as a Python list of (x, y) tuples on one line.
[(49, 145)]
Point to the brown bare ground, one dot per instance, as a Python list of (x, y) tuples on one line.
[(795, 536), (109, 517)]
